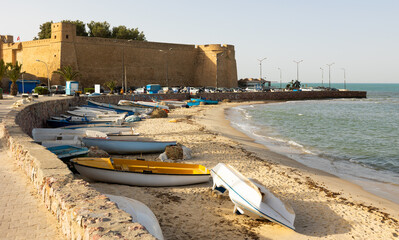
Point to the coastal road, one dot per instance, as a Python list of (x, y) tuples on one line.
[(22, 214)]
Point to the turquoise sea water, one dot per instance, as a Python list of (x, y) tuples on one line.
[(356, 139)]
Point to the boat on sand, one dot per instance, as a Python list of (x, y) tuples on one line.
[(140, 213), (127, 145), (68, 151), (141, 173), (250, 196)]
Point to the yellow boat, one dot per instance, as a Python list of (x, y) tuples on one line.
[(141, 173)]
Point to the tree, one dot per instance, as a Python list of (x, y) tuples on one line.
[(45, 30), (296, 84), (3, 68), (293, 85), (96, 29), (99, 29), (111, 85), (68, 73), (13, 72), (122, 32), (80, 27)]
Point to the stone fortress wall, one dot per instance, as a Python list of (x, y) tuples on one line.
[(102, 59)]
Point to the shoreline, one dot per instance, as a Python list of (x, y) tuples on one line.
[(381, 188), (195, 211), (220, 124)]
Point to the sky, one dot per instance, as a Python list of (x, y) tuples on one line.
[(361, 36)]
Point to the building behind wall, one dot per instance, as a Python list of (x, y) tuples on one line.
[(103, 59)]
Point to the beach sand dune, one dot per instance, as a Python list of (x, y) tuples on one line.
[(324, 207)]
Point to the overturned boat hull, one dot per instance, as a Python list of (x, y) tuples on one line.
[(250, 196)]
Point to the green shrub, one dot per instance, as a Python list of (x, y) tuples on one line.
[(89, 90), (41, 90)]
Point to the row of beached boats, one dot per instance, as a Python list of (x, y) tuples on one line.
[(73, 140), (248, 195), (97, 113)]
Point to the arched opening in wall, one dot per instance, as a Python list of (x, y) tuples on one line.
[(55, 36), (67, 36)]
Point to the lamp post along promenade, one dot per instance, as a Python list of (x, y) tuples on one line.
[(344, 77), (329, 74), (48, 75), (297, 69), (260, 67)]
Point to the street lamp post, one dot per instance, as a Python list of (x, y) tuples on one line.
[(124, 77), (329, 74), (123, 65), (344, 77), (167, 66), (217, 64), (322, 76), (48, 75), (281, 86), (297, 69), (260, 67)]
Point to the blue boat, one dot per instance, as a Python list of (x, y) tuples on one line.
[(197, 101), (68, 151), (55, 123), (127, 145)]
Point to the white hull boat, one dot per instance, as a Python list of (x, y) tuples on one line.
[(141, 173), (142, 104), (140, 213), (76, 142), (49, 134), (127, 145), (88, 111), (96, 115), (250, 196)]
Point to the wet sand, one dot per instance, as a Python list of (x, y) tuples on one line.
[(326, 207)]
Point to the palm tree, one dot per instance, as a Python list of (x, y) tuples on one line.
[(3, 68), (13, 72), (111, 85), (68, 73), (296, 84)]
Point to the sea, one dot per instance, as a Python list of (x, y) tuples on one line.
[(354, 139)]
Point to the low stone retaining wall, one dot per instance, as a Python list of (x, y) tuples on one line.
[(275, 96), (82, 212)]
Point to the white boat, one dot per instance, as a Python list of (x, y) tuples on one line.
[(93, 114), (76, 142), (141, 173), (120, 109), (140, 213), (127, 144), (46, 134), (116, 119), (174, 103), (89, 111), (142, 104), (250, 196)]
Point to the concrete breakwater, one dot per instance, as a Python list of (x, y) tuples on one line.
[(82, 212)]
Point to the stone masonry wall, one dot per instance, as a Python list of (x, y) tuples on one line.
[(82, 212)]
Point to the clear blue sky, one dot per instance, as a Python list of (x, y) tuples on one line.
[(361, 36)]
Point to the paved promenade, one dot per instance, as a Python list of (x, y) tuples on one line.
[(22, 214)]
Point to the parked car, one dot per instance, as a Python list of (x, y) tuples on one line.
[(194, 90), (139, 90), (57, 89)]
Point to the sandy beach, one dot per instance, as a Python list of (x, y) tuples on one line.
[(326, 207)]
